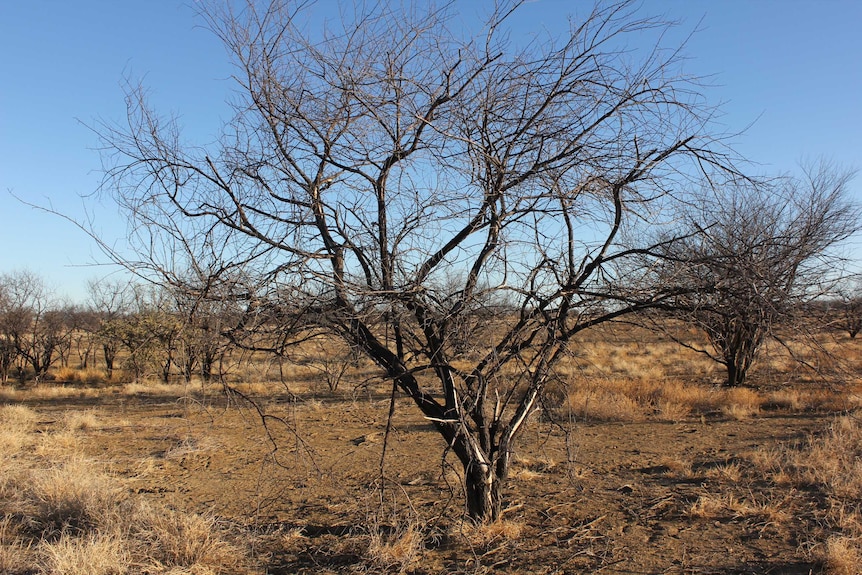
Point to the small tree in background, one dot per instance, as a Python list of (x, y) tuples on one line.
[(755, 256), (848, 307), (33, 324), (111, 301)]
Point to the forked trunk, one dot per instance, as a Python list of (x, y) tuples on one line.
[(484, 479)]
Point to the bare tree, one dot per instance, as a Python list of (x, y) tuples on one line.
[(111, 302), (32, 323), (371, 162), (848, 305), (756, 256), (205, 316), (10, 328)]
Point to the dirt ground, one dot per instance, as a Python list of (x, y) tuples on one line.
[(648, 497)]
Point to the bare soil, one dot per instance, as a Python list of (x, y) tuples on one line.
[(310, 491)]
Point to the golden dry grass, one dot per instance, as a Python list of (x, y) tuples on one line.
[(17, 423), (832, 463), (94, 554), (61, 514), (79, 376), (731, 506), (395, 550), (13, 551), (73, 495), (843, 556), (172, 539), (75, 420)]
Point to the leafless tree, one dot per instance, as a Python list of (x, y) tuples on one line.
[(10, 327), (33, 325), (205, 316), (848, 307), (756, 255), (111, 302), (372, 160)]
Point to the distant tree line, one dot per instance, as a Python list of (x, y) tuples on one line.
[(144, 330)]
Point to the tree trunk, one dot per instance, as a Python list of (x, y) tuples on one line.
[(109, 353), (734, 376), (484, 490)]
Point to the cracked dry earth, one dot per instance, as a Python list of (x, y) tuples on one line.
[(647, 497)]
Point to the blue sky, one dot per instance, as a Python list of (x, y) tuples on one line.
[(789, 73)]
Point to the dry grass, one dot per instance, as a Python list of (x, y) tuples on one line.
[(731, 472), (17, 423), (831, 463), (639, 398), (604, 403), (730, 506), (79, 376), (741, 402), (74, 495), (484, 536), (173, 539), (95, 554), (13, 551), (74, 420), (58, 444), (61, 514), (842, 556), (395, 550)]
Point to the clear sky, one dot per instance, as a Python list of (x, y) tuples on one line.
[(789, 73)]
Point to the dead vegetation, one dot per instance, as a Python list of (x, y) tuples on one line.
[(64, 514), (639, 462)]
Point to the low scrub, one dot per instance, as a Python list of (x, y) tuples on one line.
[(79, 376)]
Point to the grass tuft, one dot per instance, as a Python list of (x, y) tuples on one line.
[(186, 540), (74, 495), (95, 554), (397, 550), (843, 556)]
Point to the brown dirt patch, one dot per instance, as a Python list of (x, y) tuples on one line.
[(645, 497)]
